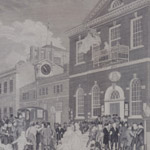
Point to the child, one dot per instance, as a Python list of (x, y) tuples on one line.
[(2, 146), (21, 141), (97, 146), (8, 147)]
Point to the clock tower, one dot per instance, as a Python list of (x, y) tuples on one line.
[(47, 68)]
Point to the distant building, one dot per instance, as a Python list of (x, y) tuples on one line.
[(52, 53), (10, 83), (50, 93), (51, 88), (110, 61)]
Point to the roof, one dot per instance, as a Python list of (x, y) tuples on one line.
[(54, 47), (52, 79), (8, 72)]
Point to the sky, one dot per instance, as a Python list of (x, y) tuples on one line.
[(24, 23)]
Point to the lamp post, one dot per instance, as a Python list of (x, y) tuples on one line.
[(89, 115), (70, 114)]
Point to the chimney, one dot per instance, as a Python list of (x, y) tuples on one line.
[(51, 46), (32, 51), (38, 54)]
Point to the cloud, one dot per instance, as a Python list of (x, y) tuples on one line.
[(16, 39), (29, 33)]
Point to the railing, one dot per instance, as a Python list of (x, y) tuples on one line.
[(110, 56)]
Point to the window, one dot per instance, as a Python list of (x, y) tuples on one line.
[(42, 55), (10, 110), (43, 91), (40, 92), (95, 100), (57, 88), (34, 94), (57, 60), (54, 89), (11, 86), (5, 111), (116, 4), (0, 113), (25, 96), (0, 88), (61, 88), (46, 90), (5, 87), (136, 104), (114, 35), (59, 106), (136, 32), (79, 54), (115, 95), (79, 102)]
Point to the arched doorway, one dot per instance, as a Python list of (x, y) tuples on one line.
[(114, 101)]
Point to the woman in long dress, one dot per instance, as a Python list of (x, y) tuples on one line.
[(67, 139), (73, 139), (77, 143)]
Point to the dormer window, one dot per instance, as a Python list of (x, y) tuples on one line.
[(115, 4), (79, 53)]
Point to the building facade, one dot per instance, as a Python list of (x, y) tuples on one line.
[(10, 83), (51, 53), (110, 61), (50, 93), (50, 90)]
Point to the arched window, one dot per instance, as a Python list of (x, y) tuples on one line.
[(79, 102), (135, 91), (116, 4), (95, 100), (115, 95)]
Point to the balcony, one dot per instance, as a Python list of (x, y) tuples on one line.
[(114, 55)]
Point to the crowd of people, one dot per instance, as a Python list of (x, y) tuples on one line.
[(107, 132), (15, 135), (110, 133)]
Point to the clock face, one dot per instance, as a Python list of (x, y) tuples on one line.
[(46, 69)]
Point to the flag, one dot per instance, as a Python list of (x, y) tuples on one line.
[(91, 39)]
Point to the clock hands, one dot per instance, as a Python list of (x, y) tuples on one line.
[(45, 69)]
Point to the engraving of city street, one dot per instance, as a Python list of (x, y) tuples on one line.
[(74, 74)]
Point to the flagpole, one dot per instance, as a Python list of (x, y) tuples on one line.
[(47, 33)]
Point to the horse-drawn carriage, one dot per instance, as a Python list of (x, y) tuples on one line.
[(33, 114)]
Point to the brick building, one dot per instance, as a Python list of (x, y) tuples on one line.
[(50, 93), (49, 52), (10, 83), (110, 61), (50, 90)]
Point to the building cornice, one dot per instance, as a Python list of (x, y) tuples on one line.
[(98, 7), (144, 60), (125, 9), (8, 72)]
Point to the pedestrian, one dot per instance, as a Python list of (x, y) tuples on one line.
[(140, 137), (92, 133), (114, 136), (31, 135), (129, 138), (46, 138), (21, 141), (122, 138), (58, 133), (106, 137), (100, 135), (4, 134), (134, 141)]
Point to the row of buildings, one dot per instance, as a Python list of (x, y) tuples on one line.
[(42, 81), (110, 62), (109, 68)]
